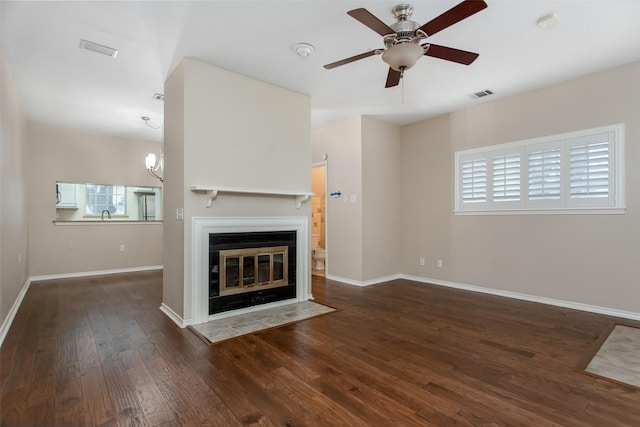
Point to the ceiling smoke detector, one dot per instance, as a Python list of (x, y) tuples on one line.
[(304, 49), (547, 21), (98, 48)]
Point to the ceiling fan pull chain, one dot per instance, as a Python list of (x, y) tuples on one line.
[(402, 87)]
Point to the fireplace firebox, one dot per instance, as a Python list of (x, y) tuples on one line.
[(251, 268)]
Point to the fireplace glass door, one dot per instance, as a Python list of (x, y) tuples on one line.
[(250, 269)]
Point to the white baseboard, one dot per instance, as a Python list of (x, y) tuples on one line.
[(174, 316), (525, 297), (95, 273), (364, 282), (6, 324)]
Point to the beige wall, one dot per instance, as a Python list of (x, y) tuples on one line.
[(426, 197), (13, 190), (590, 259), (381, 189), (363, 161), (70, 156), (173, 256), (232, 131), (342, 142)]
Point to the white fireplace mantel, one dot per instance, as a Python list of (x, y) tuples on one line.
[(212, 193)]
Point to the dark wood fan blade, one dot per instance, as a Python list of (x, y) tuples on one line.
[(393, 78), (450, 54), (368, 19), (351, 59), (453, 15)]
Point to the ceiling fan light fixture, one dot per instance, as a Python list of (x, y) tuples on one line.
[(403, 56)]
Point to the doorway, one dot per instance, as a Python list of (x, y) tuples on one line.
[(319, 219)]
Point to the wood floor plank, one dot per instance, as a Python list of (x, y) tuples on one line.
[(97, 404), (97, 351), (126, 406), (151, 400)]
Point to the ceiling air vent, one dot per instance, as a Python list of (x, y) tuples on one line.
[(482, 93), (158, 96), (95, 47)]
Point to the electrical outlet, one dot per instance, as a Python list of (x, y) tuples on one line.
[(421, 261), (121, 248), (439, 263), (69, 246)]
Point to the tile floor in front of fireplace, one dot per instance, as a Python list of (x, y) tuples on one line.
[(234, 326)]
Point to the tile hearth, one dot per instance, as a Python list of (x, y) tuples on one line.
[(226, 328)]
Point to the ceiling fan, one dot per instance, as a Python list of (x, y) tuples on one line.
[(402, 47)]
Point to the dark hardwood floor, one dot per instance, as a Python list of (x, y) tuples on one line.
[(98, 351)]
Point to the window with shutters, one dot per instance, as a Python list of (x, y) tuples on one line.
[(568, 173)]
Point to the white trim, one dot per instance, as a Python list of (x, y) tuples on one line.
[(8, 321), (526, 297), (364, 282), (203, 226), (566, 211), (174, 316), (95, 273), (212, 192), (112, 222)]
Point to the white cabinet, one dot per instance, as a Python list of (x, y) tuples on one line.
[(66, 195)]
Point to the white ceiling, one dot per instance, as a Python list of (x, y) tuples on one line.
[(65, 86)]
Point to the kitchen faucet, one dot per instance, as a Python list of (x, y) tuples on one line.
[(108, 214)]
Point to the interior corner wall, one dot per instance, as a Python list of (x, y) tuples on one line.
[(13, 189), (56, 154), (173, 192), (342, 143), (381, 243), (426, 197), (589, 259), (235, 132)]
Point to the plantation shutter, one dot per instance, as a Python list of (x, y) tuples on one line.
[(589, 168), (545, 174), (474, 181), (506, 178), (576, 172)]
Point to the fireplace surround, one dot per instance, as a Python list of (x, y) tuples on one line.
[(269, 265), (251, 268)]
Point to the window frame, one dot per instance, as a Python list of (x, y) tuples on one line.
[(614, 202), (113, 192)]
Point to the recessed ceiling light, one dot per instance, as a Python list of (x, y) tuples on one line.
[(548, 21), (95, 47), (304, 49)]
